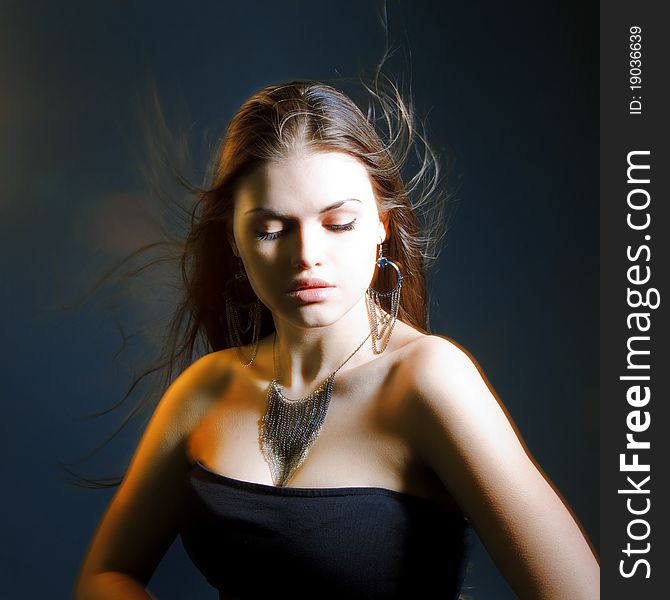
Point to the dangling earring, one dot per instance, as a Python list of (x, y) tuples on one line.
[(373, 302), (233, 307)]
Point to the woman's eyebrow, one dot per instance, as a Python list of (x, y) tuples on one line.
[(277, 215)]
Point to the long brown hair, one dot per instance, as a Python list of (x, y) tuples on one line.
[(277, 120), (314, 116)]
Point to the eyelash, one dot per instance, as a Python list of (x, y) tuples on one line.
[(337, 228)]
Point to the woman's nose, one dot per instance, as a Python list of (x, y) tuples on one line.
[(308, 247)]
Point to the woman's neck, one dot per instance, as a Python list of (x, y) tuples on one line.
[(306, 356)]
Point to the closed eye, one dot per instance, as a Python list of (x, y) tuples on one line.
[(343, 227), (273, 235), (268, 236)]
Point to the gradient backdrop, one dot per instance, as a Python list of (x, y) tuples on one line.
[(510, 87)]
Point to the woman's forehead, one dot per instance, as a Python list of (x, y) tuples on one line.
[(308, 181)]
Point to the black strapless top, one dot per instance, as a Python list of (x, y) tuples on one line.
[(252, 540)]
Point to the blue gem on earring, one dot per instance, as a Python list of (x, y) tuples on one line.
[(382, 262)]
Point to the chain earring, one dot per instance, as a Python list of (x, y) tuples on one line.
[(233, 308), (373, 302)]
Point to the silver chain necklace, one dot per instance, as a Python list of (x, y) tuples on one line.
[(290, 426)]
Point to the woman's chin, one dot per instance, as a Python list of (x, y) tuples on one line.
[(317, 314)]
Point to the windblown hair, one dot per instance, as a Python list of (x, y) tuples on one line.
[(308, 116)]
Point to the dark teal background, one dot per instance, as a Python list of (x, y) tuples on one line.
[(510, 87)]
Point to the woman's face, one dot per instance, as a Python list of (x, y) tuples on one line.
[(308, 215)]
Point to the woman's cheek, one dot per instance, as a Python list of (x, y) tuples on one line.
[(360, 265)]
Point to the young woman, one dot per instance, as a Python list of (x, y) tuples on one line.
[(329, 445)]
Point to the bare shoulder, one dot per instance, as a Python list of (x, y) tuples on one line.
[(192, 390), (423, 347), (434, 361), (453, 405), (183, 404)]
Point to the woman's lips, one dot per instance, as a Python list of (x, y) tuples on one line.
[(311, 294)]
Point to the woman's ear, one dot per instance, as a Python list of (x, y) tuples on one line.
[(382, 233)]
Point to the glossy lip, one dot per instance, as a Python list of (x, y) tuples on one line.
[(311, 294), (310, 289), (310, 283)]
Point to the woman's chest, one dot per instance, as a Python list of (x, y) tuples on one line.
[(363, 439)]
